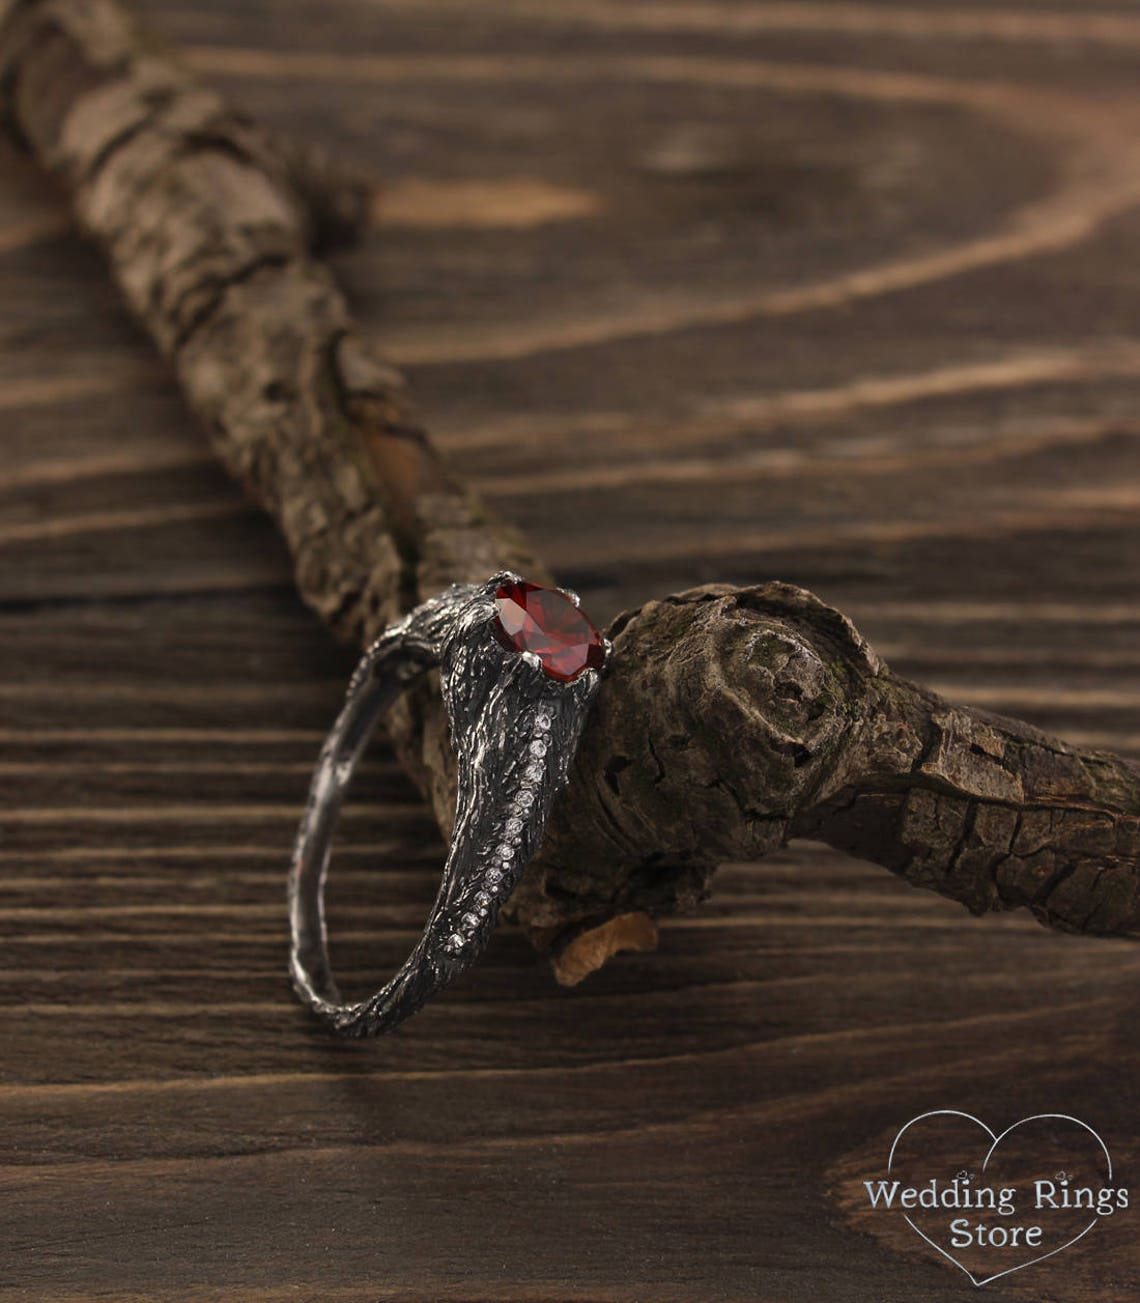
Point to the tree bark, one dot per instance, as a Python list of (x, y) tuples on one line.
[(732, 719)]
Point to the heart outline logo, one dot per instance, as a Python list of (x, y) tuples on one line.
[(997, 1139)]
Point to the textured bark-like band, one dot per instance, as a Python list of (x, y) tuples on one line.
[(514, 730)]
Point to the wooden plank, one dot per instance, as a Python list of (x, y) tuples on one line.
[(841, 294)]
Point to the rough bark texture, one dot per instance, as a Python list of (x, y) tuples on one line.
[(733, 719), (823, 742)]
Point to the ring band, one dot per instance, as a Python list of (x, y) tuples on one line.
[(519, 665)]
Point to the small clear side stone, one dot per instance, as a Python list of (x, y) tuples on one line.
[(538, 747), (542, 722), (513, 826), (455, 941), (524, 799)]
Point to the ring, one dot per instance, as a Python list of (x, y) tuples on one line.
[(519, 665)]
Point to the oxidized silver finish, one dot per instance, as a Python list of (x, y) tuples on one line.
[(514, 730)]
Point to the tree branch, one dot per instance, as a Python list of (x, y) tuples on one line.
[(208, 223)]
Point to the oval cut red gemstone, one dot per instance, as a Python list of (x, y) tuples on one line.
[(544, 621)]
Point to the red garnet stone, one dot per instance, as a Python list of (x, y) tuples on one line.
[(546, 622)]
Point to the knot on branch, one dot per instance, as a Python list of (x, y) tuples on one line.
[(725, 714), (733, 719)]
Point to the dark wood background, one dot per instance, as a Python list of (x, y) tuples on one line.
[(842, 294)]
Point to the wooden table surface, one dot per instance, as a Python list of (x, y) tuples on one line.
[(843, 294)]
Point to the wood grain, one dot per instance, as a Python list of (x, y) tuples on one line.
[(931, 234)]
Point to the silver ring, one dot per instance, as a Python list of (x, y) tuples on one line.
[(519, 665)]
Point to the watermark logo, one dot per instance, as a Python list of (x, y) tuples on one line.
[(1022, 1195)]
